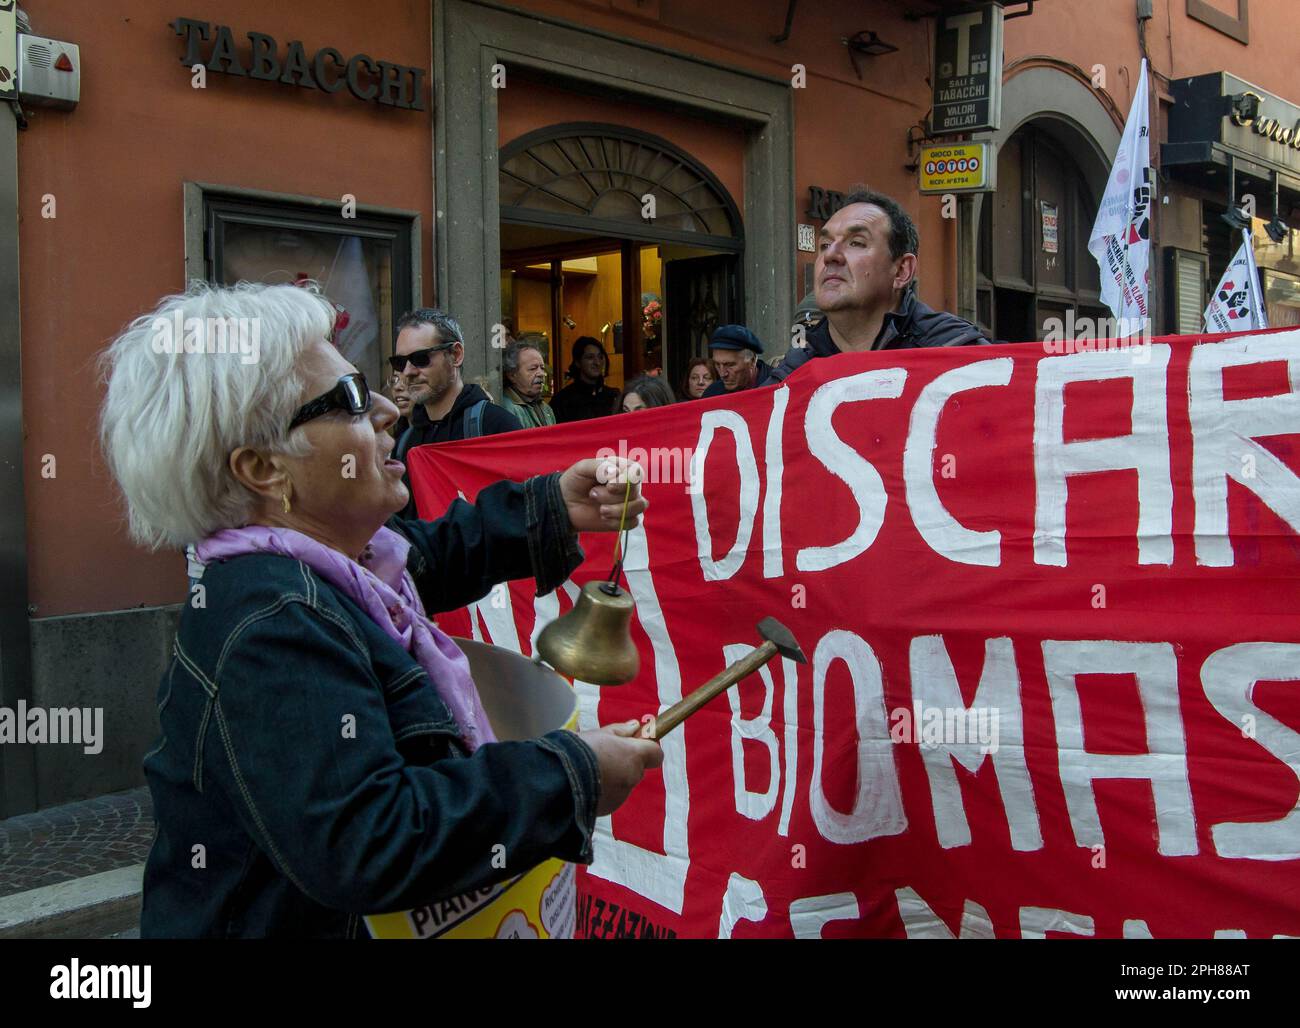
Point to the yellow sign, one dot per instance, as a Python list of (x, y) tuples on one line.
[(958, 168), (541, 904)]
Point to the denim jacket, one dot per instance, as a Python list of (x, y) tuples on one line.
[(308, 772)]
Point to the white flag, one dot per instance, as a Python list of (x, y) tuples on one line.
[(1121, 238), (1237, 305)]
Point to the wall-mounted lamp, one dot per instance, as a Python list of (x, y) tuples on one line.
[(1277, 229), (1237, 218), (867, 43)]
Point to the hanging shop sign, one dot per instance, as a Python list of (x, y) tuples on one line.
[(366, 78), (958, 168), (968, 71), (1221, 110)]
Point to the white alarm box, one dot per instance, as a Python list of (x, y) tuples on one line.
[(49, 72)]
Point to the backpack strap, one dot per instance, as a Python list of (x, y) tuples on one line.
[(473, 421)]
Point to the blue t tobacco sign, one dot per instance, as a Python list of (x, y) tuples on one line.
[(968, 72)]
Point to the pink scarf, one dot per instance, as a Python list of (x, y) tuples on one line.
[(381, 586)]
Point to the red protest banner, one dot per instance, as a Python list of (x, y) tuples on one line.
[(1049, 602)]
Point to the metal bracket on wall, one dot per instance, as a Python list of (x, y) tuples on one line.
[(868, 43), (915, 142), (789, 21)]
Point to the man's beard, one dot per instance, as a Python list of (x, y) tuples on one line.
[(426, 393)]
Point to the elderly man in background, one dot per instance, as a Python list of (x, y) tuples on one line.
[(865, 279), (311, 619), (737, 354), (523, 366)]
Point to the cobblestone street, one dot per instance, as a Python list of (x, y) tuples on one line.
[(77, 839)]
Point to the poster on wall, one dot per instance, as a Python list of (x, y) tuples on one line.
[(1051, 242)]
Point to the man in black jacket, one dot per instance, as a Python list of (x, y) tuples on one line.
[(865, 285), (428, 355)]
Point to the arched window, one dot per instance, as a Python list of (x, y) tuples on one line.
[(601, 178), (1034, 266)]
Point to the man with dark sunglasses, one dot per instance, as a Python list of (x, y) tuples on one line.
[(428, 355)]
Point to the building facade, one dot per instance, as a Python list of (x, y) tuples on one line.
[(557, 167)]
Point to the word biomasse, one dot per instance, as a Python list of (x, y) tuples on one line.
[(395, 85)]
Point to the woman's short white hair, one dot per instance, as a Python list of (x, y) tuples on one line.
[(184, 393)]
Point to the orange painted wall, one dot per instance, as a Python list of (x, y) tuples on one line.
[(1105, 32), (116, 167), (847, 130)]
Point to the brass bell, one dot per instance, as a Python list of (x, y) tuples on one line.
[(593, 642)]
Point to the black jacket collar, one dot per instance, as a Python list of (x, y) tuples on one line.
[(913, 324)]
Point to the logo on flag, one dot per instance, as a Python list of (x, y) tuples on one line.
[(1236, 304)]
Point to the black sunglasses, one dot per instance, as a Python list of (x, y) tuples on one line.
[(418, 358), (351, 395)]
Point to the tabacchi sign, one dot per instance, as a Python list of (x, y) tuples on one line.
[(968, 71), (382, 82)]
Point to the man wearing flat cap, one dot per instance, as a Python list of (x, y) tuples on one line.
[(736, 353)]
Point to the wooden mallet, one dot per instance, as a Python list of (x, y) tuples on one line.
[(777, 639)]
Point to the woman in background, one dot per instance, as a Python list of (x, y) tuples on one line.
[(402, 400), (644, 392), (586, 396), (699, 376)]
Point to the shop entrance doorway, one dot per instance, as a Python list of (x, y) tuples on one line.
[(615, 234), (1033, 260)]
